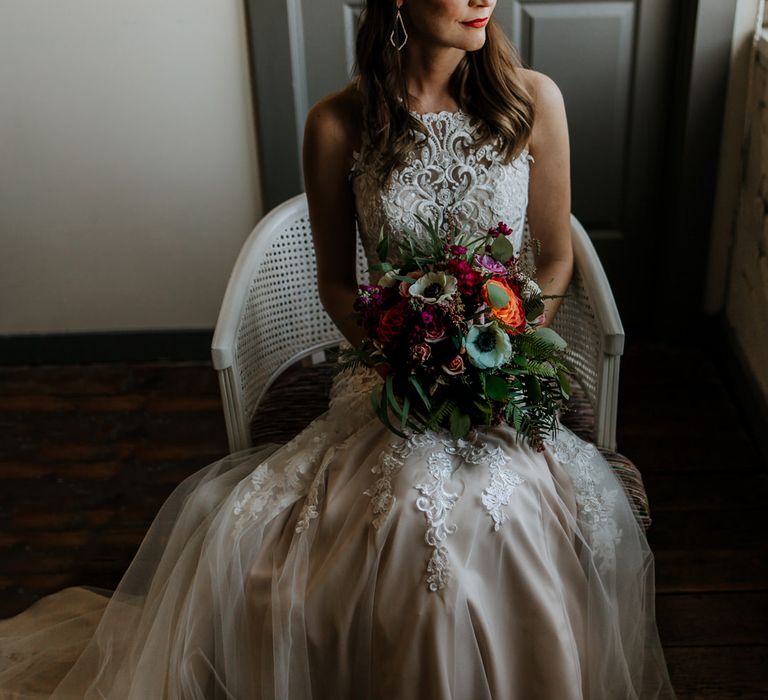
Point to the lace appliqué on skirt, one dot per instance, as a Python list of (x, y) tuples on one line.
[(437, 499), (595, 501)]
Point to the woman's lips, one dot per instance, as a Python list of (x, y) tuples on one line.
[(476, 22)]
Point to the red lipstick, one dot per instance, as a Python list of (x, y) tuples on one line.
[(481, 22)]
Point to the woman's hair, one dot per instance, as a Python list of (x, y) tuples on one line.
[(486, 85)]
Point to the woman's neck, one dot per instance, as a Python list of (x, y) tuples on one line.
[(428, 72)]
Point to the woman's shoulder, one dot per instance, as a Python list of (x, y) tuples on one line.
[(542, 88), (337, 119), (550, 121)]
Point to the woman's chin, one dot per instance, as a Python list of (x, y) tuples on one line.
[(474, 42)]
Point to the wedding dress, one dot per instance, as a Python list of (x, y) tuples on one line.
[(352, 563)]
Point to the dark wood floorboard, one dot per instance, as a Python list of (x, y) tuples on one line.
[(89, 454)]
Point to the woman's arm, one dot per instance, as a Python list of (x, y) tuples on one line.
[(549, 195), (327, 158)]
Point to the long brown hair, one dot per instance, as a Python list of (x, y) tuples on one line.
[(486, 85)]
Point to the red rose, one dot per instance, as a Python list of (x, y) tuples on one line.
[(392, 322)]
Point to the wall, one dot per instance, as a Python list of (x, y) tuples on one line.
[(730, 167), (128, 162), (746, 300)]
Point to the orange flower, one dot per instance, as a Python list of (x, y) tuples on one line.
[(513, 313)]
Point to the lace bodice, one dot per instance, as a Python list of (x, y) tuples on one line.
[(446, 174)]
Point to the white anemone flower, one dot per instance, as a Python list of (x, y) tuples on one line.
[(530, 289), (388, 278), (434, 287)]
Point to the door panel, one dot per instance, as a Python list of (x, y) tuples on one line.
[(586, 47)]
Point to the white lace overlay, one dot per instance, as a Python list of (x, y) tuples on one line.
[(503, 483), (437, 498), (596, 501), (436, 502), (269, 487), (444, 173), (389, 464)]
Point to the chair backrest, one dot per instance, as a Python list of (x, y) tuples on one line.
[(271, 317)]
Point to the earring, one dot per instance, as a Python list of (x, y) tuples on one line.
[(398, 18)]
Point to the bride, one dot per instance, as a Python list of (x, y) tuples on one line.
[(350, 563)]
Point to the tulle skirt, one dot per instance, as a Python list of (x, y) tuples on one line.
[(352, 563)]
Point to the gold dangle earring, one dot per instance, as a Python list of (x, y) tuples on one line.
[(398, 18)]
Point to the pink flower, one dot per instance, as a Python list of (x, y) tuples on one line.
[(454, 366), (421, 352), (491, 264), (434, 333)]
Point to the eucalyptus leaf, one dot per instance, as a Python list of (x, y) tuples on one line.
[(496, 388), (534, 387), (551, 337), (501, 249), (381, 267), (497, 296)]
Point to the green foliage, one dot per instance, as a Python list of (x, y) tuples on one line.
[(496, 388), (497, 296), (541, 344), (441, 413), (501, 249), (382, 247), (551, 336), (533, 308), (459, 423)]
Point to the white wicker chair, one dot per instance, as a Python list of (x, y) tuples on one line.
[(271, 317)]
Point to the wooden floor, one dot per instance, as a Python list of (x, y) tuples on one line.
[(88, 454)]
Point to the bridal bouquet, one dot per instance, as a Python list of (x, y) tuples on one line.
[(458, 324)]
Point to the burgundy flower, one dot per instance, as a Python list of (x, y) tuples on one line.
[(392, 322), (500, 230), (467, 278), (368, 303)]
